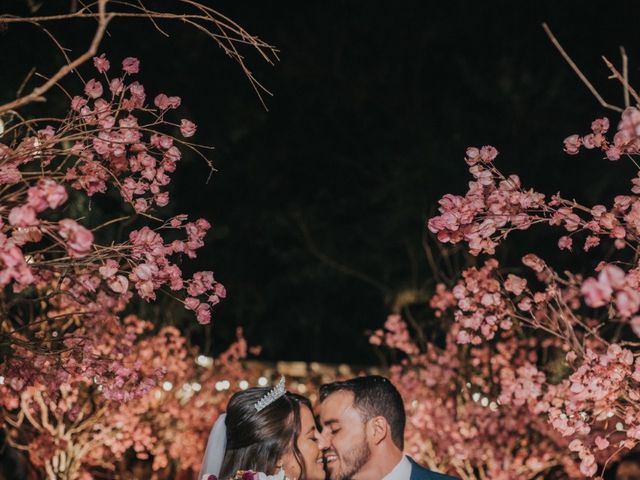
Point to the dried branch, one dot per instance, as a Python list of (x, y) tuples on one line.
[(625, 74), (575, 68), (616, 74), (323, 257), (37, 93), (224, 31)]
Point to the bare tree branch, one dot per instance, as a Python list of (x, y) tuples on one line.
[(37, 93), (225, 32), (575, 68), (625, 74), (616, 74)]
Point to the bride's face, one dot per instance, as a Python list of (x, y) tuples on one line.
[(307, 443)]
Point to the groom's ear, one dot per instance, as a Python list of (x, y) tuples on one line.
[(379, 429)]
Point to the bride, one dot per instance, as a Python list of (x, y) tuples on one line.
[(268, 431)]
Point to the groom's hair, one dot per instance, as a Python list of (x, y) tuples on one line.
[(373, 396)]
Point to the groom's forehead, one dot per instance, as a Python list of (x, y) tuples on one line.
[(336, 405)]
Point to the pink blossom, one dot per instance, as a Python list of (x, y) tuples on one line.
[(534, 262), (595, 293), (23, 216), (565, 243), (131, 65), (627, 302), (109, 269), (572, 144), (590, 242), (118, 283), (220, 291), (600, 125), (163, 102), (203, 313), (47, 194), (162, 199), (9, 174), (187, 128), (488, 153), (77, 103), (601, 442), (613, 153), (93, 88), (101, 63), (116, 86), (191, 303), (515, 284), (78, 239), (612, 276)]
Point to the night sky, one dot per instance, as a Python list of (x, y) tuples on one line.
[(319, 205)]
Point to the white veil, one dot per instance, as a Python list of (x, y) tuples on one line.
[(216, 446)]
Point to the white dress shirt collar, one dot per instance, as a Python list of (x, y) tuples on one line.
[(402, 471)]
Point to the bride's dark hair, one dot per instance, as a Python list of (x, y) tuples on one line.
[(257, 440)]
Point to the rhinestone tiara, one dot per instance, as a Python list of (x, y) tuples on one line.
[(274, 394)]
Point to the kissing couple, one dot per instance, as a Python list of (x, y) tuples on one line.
[(272, 435)]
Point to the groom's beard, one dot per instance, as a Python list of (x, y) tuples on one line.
[(352, 461)]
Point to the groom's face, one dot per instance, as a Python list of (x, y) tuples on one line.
[(344, 440)]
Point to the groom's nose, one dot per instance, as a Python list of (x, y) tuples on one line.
[(323, 442)]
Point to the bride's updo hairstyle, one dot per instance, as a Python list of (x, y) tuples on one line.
[(257, 440)]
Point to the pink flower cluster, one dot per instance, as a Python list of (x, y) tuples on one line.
[(121, 151), (626, 141), (492, 207), (81, 278), (586, 386), (481, 306), (457, 418), (396, 336), (614, 285)]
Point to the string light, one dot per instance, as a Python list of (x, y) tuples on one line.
[(167, 386), (204, 361), (196, 386), (243, 384), (262, 381)]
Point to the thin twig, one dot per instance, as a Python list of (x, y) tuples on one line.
[(575, 68), (38, 92), (625, 74), (224, 31), (616, 74), (313, 248), (25, 81)]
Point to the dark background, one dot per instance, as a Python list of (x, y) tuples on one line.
[(319, 205)]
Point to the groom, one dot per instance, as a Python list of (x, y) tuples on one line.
[(363, 432)]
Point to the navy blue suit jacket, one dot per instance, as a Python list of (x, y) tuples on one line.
[(418, 472)]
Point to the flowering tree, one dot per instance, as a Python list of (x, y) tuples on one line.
[(66, 283), (466, 412), (77, 432), (583, 325), (78, 377)]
